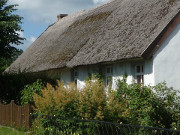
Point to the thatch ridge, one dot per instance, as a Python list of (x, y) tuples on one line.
[(114, 31)]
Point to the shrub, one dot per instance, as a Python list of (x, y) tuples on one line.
[(131, 104), (115, 108), (92, 101), (61, 100), (11, 85), (29, 90), (69, 102), (146, 105)]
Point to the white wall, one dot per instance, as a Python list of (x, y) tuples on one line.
[(83, 74), (66, 76), (128, 68), (149, 73), (119, 70), (167, 61)]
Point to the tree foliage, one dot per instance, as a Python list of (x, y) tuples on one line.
[(13, 85), (29, 90), (6, 62), (10, 28)]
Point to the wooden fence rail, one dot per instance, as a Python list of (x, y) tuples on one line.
[(14, 115)]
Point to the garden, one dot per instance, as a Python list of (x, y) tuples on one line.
[(56, 104), (132, 104)]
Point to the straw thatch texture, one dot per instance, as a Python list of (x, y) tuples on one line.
[(120, 29)]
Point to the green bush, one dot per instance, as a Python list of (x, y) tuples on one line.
[(129, 104), (70, 102), (29, 90), (146, 105), (11, 85)]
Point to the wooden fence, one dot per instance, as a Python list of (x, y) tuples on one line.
[(14, 115)]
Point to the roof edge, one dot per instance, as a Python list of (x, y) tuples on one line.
[(155, 45), (110, 62)]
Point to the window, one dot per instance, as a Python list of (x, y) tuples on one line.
[(109, 73), (75, 76), (109, 70), (108, 80), (139, 73)]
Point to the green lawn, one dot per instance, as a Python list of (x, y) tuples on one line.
[(10, 131)]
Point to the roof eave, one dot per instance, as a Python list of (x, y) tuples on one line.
[(155, 45), (110, 62)]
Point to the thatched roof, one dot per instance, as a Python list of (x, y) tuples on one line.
[(117, 30)]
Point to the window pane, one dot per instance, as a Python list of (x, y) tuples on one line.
[(108, 70), (142, 69), (75, 73), (138, 69), (111, 70)]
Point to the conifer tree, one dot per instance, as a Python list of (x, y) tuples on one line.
[(10, 25)]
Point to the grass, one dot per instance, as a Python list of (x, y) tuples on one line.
[(10, 131)]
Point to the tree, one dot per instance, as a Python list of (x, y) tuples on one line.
[(9, 28), (6, 62)]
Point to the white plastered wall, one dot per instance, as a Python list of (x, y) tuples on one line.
[(82, 75), (119, 70), (148, 73), (66, 76), (166, 60), (128, 68)]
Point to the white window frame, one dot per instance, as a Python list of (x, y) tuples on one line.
[(139, 74), (108, 75), (75, 76)]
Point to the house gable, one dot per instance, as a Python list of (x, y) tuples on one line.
[(156, 44), (166, 60)]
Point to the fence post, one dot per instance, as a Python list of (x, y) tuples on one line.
[(12, 110), (29, 117)]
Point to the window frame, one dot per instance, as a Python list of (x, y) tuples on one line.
[(75, 76), (139, 74), (108, 75)]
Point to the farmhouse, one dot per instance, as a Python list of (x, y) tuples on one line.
[(139, 38)]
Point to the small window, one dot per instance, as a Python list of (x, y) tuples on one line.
[(108, 80), (138, 69), (75, 73), (75, 76), (109, 70), (109, 74), (139, 74)]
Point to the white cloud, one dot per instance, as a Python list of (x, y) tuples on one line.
[(27, 42), (98, 1), (21, 34), (32, 39)]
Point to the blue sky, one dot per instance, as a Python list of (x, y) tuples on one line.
[(39, 14)]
